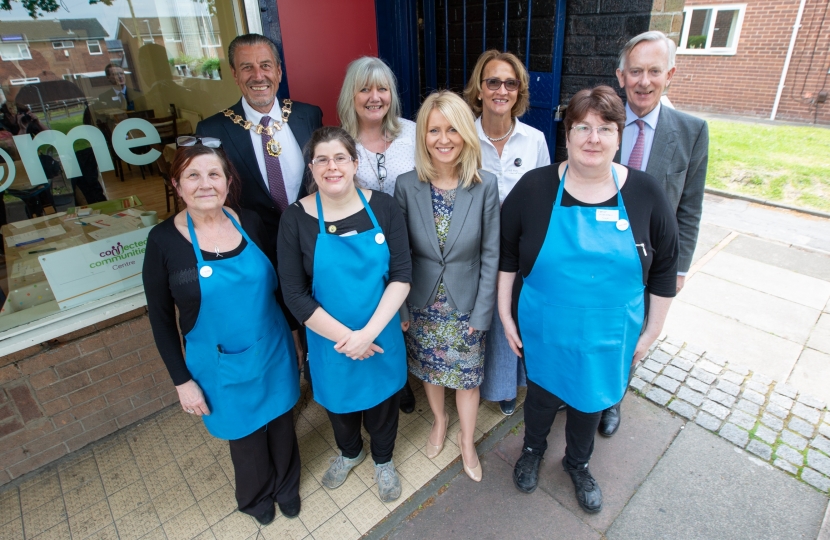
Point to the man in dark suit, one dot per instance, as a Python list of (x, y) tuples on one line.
[(269, 182), (670, 145)]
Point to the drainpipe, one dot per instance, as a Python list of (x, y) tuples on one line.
[(796, 26)]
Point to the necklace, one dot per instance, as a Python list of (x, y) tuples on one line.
[(274, 148), (506, 135)]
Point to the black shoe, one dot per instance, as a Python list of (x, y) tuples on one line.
[(526, 471), (508, 406), (407, 398), (291, 509), (610, 421), (588, 493), (267, 517)]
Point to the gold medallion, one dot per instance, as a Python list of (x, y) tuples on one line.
[(274, 148), (332, 229)]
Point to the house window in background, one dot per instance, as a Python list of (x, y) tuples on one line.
[(63, 45), (14, 51), (711, 29), (21, 82), (94, 47)]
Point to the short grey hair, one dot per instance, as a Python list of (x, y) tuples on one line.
[(362, 73), (651, 35), (247, 40)]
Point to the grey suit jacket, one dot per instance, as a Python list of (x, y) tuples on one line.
[(469, 263), (678, 160)]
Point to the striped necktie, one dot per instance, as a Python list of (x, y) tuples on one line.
[(276, 184)]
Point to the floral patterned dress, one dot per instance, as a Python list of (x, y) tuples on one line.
[(439, 349)]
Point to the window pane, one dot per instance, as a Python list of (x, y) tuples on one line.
[(724, 28), (698, 29)]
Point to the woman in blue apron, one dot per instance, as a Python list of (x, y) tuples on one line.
[(345, 270), (239, 371), (587, 273)]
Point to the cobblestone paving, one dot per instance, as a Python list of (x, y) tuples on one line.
[(773, 421)]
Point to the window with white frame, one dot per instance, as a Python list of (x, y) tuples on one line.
[(63, 44), (94, 47), (21, 82), (711, 29), (15, 51)]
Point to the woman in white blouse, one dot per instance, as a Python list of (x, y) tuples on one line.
[(498, 94), (369, 110)]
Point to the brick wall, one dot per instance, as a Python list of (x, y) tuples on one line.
[(746, 83), (58, 397)]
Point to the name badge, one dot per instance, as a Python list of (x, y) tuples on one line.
[(379, 238), (607, 215), (116, 98), (206, 271)]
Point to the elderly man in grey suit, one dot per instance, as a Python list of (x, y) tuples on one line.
[(670, 145)]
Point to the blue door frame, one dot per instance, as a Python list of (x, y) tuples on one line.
[(397, 24)]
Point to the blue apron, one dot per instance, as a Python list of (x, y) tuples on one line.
[(350, 276), (581, 307), (240, 352)]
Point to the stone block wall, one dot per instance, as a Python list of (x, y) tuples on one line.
[(59, 396)]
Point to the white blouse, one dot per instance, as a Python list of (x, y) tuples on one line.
[(400, 158), (525, 150)]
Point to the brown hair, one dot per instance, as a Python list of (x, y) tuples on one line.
[(186, 154), (473, 88), (323, 135), (600, 100)]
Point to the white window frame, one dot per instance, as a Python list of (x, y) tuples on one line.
[(23, 52), (22, 82), (64, 44), (96, 43), (707, 50)]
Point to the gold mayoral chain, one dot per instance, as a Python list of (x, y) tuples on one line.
[(274, 148)]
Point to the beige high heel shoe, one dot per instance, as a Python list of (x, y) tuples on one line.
[(475, 472), (432, 450)]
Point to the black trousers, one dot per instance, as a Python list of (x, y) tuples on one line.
[(381, 422), (266, 465), (540, 411), (88, 181)]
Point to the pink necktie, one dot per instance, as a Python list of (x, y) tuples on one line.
[(635, 160), (276, 184)]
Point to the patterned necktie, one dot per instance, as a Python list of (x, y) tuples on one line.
[(635, 160), (276, 184)]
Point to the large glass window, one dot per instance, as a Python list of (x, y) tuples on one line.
[(711, 30), (93, 97)]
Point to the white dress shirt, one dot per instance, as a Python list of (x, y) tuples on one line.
[(400, 158), (291, 158), (525, 150), (631, 132)]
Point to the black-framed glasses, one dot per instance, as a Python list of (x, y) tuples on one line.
[(190, 140), (493, 83), (381, 168)]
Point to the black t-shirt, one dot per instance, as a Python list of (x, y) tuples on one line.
[(526, 213), (298, 238), (171, 280)]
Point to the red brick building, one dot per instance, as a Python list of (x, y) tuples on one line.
[(732, 55)]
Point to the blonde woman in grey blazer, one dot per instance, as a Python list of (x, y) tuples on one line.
[(452, 215)]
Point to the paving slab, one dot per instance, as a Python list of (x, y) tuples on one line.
[(706, 488), (620, 463), (802, 261), (779, 282), (708, 237), (760, 351), (492, 509), (811, 374), (820, 337), (760, 310)]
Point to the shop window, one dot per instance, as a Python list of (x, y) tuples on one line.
[(94, 47), (63, 44), (15, 51), (711, 30)]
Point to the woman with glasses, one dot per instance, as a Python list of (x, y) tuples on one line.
[(345, 270), (239, 371), (497, 92), (587, 273), (452, 215), (369, 110)]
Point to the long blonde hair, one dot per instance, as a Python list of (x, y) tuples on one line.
[(366, 72), (461, 118)]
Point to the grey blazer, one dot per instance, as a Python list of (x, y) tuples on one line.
[(678, 160), (470, 260)]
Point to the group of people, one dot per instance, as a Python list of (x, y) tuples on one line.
[(449, 249)]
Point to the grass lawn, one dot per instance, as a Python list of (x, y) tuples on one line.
[(787, 164)]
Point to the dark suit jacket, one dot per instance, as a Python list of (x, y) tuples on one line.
[(678, 160), (236, 141)]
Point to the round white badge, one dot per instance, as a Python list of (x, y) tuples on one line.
[(379, 238), (622, 224), (206, 271)]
